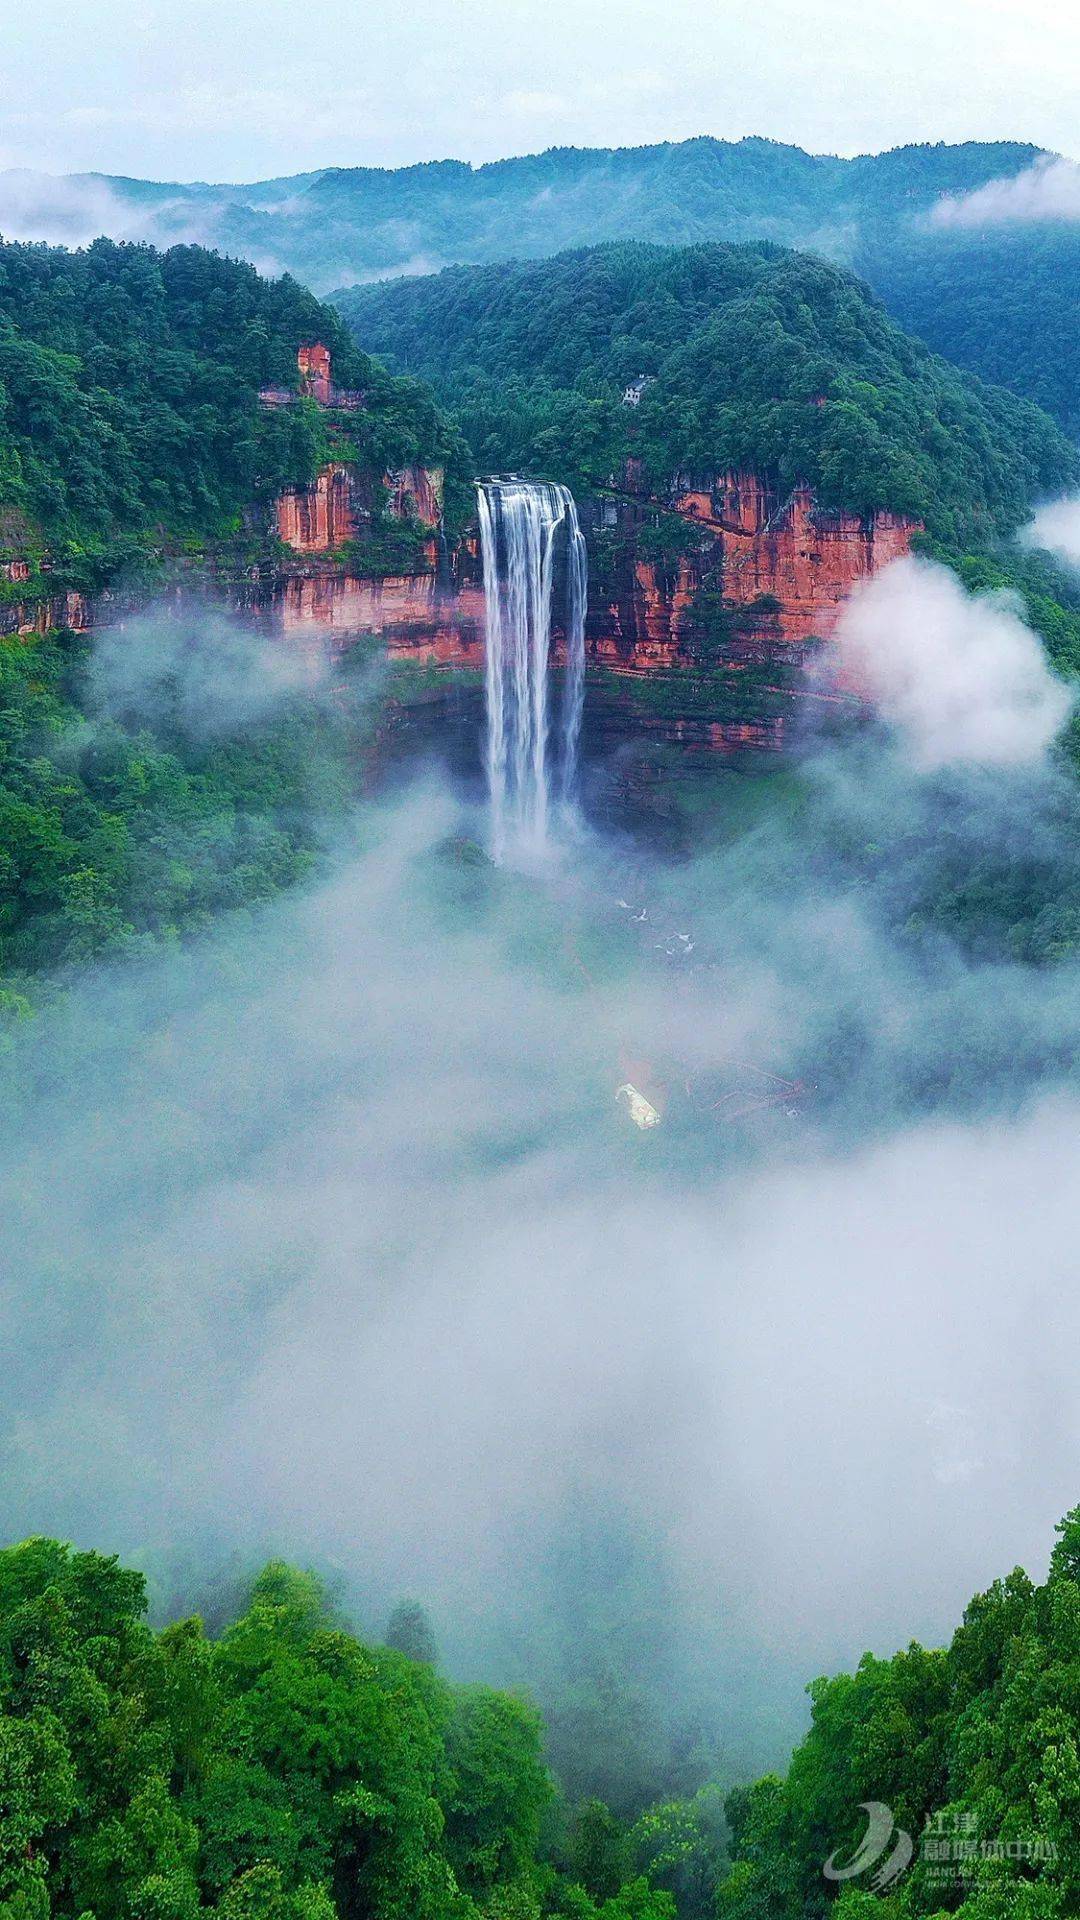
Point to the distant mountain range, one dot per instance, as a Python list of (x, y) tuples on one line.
[(359, 223), (998, 298)]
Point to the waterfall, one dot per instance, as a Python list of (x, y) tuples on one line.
[(518, 527)]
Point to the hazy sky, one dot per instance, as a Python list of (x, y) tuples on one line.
[(198, 89)]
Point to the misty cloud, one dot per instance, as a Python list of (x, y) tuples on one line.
[(75, 210), (1056, 527), (204, 674), (961, 679), (330, 1236), (65, 212), (1047, 190)]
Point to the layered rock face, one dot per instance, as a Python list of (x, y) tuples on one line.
[(416, 493), (315, 372), (316, 383), (785, 564), (770, 572), (337, 505), (418, 617), (787, 560), (319, 518)]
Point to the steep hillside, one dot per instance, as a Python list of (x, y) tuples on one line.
[(698, 360), (129, 402), (1001, 301)]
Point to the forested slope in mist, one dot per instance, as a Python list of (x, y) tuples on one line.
[(346, 223), (283, 1770), (752, 357)]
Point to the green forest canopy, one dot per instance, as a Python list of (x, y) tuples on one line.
[(285, 1771), (754, 357), (1001, 301), (129, 409), (282, 1772)]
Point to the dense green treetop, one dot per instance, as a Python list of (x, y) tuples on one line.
[(974, 1749), (753, 357), (282, 1772)]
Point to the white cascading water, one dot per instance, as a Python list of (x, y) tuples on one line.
[(518, 527)]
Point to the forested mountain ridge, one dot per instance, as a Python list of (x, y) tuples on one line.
[(672, 193), (350, 222), (129, 401), (993, 299), (714, 357)]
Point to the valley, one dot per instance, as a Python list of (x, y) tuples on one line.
[(540, 1029)]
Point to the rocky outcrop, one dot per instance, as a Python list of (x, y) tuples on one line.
[(793, 550), (416, 493), (340, 502), (71, 610), (315, 373), (322, 517), (784, 559), (338, 505), (315, 382), (415, 615)]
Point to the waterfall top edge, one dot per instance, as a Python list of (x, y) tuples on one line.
[(496, 480)]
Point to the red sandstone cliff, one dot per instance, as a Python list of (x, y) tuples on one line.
[(786, 562), (756, 547), (416, 493), (417, 621), (801, 554), (319, 518), (336, 506), (314, 365)]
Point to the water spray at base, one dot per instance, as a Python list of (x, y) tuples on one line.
[(518, 527)]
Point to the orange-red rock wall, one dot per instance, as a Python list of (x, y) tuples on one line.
[(322, 517), (319, 518), (416, 493), (756, 546), (417, 621), (804, 556), (315, 372)]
